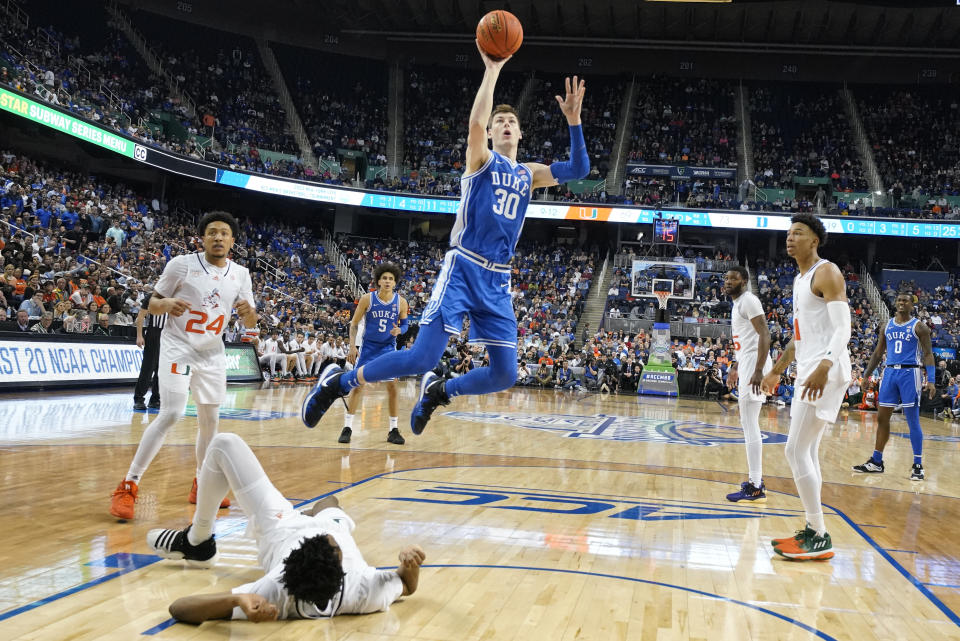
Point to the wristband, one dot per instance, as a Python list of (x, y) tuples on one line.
[(931, 373)]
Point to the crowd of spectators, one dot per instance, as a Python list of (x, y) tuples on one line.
[(71, 241), (681, 121), (914, 137), (223, 74), (803, 131), (342, 110)]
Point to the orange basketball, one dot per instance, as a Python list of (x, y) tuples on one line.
[(500, 34)]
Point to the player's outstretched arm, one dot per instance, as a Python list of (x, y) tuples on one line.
[(198, 608), (477, 148), (579, 164)]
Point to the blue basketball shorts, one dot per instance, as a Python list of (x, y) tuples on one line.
[(370, 351), (469, 286), (899, 387)]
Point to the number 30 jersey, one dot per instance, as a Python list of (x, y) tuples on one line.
[(493, 204), (210, 291)]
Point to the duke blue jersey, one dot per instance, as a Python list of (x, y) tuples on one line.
[(493, 204), (380, 319), (903, 346)]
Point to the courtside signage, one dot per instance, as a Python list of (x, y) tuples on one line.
[(43, 362), (26, 363), (24, 107)]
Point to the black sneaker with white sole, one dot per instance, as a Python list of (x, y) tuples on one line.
[(345, 435), (916, 472), (870, 467), (433, 393), (322, 396), (174, 544)]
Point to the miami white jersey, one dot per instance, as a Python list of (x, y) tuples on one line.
[(746, 340), (210, 291), (812, 329)]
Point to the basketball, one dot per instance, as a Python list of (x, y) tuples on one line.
[(500, 34)]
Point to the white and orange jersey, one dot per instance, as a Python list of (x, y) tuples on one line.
[(746, 340), (812, 328), (210, 291)]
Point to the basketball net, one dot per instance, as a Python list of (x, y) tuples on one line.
[(662, 298)]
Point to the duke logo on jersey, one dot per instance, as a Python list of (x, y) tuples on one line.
[(900, 384), (492, 209)]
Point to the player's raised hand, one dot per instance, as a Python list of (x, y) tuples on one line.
[(257, 608), (176, 307), (571, 103), (489, 62)]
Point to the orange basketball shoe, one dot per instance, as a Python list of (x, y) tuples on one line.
[(812, 548), (123, 499), (193, 496)]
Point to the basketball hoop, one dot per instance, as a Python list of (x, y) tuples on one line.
[(662, 298)]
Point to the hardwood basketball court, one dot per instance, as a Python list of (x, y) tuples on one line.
[(544, 515)]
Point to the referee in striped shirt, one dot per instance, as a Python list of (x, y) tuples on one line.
[(149, 327)]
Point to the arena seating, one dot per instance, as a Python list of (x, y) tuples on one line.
[(910, 130), (803, 131), (63, 232)]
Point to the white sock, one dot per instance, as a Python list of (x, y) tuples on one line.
[(802, 452), (753, 440), (348, 420), (393, 422), (171, 409), (208, 420)]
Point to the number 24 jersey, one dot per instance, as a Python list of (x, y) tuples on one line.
[(210, 291)]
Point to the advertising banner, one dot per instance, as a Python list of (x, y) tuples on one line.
[(31, 363)]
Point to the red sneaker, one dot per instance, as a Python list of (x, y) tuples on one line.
[(193, 496), (123, 499)]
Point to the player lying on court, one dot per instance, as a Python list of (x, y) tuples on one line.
[(821, 333), (384, 317), (313, 566), (474, 281), (906, 343)]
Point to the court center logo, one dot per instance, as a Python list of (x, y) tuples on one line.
[(607, 427)]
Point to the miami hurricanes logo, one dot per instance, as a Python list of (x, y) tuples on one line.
[(176, 367), (212, 300)]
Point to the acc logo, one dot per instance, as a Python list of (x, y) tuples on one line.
[(621, 428), (139, 153)]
